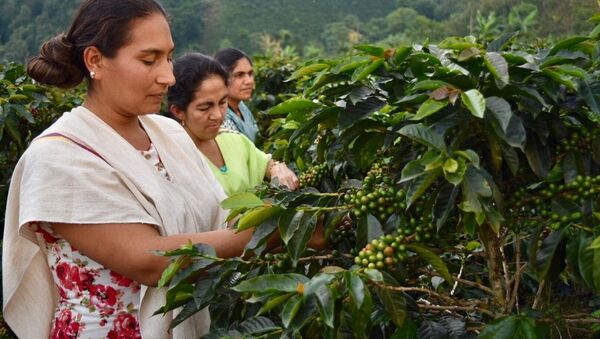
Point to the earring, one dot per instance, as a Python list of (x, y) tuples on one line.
[(92, 74), (182, 123)]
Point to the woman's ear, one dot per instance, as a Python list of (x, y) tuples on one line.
[(177, 112), (92, 57)]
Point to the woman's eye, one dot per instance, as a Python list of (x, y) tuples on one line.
[(148, 62)]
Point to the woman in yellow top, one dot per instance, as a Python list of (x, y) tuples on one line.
[(199, 101)]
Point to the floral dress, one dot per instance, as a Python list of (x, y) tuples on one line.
[(94, 302)]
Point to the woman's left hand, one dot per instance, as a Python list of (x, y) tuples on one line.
[(284, 175)]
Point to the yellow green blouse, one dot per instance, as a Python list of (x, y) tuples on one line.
[(245, 165)]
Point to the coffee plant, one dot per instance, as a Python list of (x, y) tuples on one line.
[(460, 199)]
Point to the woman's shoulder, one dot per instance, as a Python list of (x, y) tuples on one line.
[(165, 122)]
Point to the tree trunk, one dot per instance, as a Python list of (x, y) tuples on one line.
[(494, 263)]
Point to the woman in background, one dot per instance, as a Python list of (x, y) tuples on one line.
[(199, 101), (240, 86)]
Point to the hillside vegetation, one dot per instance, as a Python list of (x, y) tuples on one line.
[(312, 27)]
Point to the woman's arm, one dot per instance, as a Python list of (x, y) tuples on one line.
[(128, 248)]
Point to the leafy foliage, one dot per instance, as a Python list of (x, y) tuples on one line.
[(482, 201)]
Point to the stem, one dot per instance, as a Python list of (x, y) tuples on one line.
[(318, 209)]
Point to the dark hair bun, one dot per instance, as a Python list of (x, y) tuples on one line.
[(56, 64)]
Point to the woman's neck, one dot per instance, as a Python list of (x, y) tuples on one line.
[(235, 106), (210, 149), (126, 125)]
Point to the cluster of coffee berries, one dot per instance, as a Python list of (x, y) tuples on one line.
[(579, 141), (417, 229), (343, 232), (277, 262), (533, 207), (380, 201), (375, 176), (384, 252), (313, 176)]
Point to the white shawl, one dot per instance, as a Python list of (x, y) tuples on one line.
[(57, 180)]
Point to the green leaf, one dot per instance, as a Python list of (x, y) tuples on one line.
[(502, 42), (295, 105), (571, 70), (538, 156), (274, 302), (368, 229), (356, 287), (286, 282), (291, 308), (169, 272), (262, 233), (444, 204), (469, 155), (561, 78), (428, 84), (319, 280), (241, 200), (550, 258), (474, 101), (420, 185), (432, 259), (289, 222), (586, 92), (498, 66), (457, 43), (257, 326), (257, 216), (401, 54), (501, 110), (371, 50), (363, 71), (297, 244), (567, 44), (326, 305), (23, 112), (430, 107), (422, 134), (306, 70), (412, 170), (393, 301)]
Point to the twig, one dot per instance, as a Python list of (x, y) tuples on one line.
[(517, 277), (462, 266), (456, 308), (476, 285), (506, 274), (317, 209), (538, 294), (416, 289)]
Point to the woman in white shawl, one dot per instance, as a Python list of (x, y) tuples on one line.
[(105, 185)]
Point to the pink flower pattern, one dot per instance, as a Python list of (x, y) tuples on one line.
[(93, 300)]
